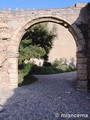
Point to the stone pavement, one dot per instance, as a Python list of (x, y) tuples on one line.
[(45, 99)]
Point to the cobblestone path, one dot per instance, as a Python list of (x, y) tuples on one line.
[(47, 99)]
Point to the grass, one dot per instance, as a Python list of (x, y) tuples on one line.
[(26, 79)]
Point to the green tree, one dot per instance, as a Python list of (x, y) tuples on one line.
[(37, 42), (29, 51)]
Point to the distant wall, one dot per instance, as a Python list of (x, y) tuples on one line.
[(64, 45)]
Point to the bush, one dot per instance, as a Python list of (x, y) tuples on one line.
[(57, 63), (63, 68), (42, 70), (20, 66), (27, 68), (28, 79), (72, 67), (47, 64), (24, 70), (56, 67)]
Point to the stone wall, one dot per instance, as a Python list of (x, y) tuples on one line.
[(88, 9), (64, 46), (13, 25)]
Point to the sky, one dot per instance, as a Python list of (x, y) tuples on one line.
[(38, 4)]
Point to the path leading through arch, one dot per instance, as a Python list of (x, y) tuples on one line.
[(45, 99)]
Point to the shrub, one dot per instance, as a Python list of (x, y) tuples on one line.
[(63, 68), (47, 64), (42, 70), (24, 69), (57, 63), (20, 66), (28, 79), (72, 67)]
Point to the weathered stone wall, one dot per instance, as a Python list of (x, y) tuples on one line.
[(88, 9), (13, 25)]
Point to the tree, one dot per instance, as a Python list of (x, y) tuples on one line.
[(37, 42), (29, 51)]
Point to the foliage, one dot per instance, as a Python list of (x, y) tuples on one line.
[(42, 70), (26, 70), (56, 67), (36, 43), (47, 63), (63, 68), (40, 36), (24, 76), (28, 79), (27, 51), (60, 65), (57, 63), (72, 67)]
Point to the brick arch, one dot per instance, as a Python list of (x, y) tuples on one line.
[(73, 29), (16, 39)]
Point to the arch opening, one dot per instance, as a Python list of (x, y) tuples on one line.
[(62, 51)]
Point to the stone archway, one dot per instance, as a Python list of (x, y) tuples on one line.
[(74, 30)]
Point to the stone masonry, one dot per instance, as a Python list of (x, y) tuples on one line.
[(13, 25)]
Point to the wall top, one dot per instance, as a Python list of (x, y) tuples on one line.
[(80, 5), (77, 5)]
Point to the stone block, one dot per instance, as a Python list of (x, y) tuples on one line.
[(82, 41), (8, 86), (82, 71), (4, 78), (13, 66), (13, 54), (81, 85), (13, 60), (82, 77), (80, 55), (13, 81), (80, 36), (82, 66), (13, 76), (82, 60), (12, 71), (13, 86)]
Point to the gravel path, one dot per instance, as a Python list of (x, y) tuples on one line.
[(45, 99)]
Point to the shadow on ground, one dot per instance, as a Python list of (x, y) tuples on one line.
[(45, 99)]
